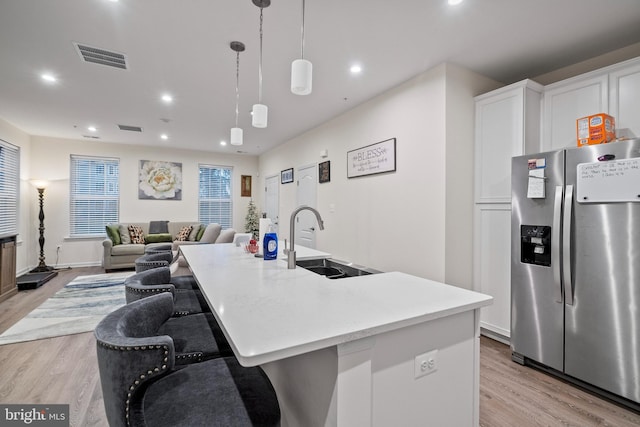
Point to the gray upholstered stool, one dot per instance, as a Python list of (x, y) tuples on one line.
[(164, 259), (153, 260), (155, 248), (141, 387), (157, 280)]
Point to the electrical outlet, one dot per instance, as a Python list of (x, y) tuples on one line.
[(58, 247), (425, 364)]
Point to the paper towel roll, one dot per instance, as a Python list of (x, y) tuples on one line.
[(262, 229)]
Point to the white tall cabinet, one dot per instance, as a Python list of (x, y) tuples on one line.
[(507, 125), (527, 118)]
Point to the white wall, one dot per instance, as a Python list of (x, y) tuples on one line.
[(15, 136), (396, 221), (50, 159)]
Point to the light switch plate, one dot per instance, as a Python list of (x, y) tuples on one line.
[(426, 363)]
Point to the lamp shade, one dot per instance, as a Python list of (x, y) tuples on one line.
[(236, 136), (259, 119), (39, 184), (301, 77)]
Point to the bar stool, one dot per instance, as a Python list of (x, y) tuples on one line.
[(142, 387)]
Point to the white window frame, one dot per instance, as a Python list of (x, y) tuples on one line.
[(216, 207), (9, 188), (90, 192)]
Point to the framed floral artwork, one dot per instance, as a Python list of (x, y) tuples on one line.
[(160, 180)]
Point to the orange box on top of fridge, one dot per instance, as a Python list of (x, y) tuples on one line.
[(596, 129)]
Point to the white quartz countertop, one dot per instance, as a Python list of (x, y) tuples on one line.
[(269, 312)]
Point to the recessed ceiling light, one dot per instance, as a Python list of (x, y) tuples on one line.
[(167, 98), (355, 69), (454, 2), (223, 143), (50, 78), (92, 128), (164, 136)]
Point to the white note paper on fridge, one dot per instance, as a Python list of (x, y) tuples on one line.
[(535, 189)]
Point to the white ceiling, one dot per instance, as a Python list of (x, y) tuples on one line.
[(182, 47)]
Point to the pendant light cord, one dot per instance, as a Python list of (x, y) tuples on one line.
[(260, 65), (302, 44), (237, 84)]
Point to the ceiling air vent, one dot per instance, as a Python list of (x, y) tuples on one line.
[(101, 56), (130, 128)]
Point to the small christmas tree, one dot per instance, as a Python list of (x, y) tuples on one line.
[(251, 221)]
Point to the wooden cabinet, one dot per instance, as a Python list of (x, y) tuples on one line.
[(8, 286), (507, 125)]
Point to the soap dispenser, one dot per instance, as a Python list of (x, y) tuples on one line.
[(270, 245)]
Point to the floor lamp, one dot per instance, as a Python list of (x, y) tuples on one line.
[(42, 273)]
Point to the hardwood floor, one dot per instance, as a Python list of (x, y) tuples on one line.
[(64, 370)]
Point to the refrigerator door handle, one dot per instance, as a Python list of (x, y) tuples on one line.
[(555, 244), (566, 245)]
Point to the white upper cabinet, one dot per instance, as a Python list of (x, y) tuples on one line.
[(507, 124), (614, 90), (567, 101), (624, 99)]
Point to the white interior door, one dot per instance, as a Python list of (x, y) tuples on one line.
[(272, 200), (306, 223)]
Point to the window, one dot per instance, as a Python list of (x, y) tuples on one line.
[(9, 188), (94, 195), (214, 201)]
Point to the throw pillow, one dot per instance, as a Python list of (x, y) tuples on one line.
[(226, 236), (211, 233), (124, 234), (183, 234), (113, 232), (136, 234), (195, 228), (158, 227), (200, 232), (158, 238)]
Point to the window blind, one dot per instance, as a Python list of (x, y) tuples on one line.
[(94, 195), (9, 188), (215, 201)]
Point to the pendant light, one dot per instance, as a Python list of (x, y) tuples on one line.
[(301, 69), (260, 111), (236, 132)]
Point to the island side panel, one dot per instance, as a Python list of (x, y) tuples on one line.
[(320, 388), (445, 397)]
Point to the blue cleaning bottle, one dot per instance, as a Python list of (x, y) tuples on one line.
[(270, 245)]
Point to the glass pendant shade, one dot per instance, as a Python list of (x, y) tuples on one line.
[(301, 77), (236, 136), (259, 116)]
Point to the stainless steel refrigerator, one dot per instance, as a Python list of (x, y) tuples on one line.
[(575, 266)]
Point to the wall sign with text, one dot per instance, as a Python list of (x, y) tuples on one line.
[(372, 159)]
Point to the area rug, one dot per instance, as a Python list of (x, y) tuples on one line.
[(76, 308)]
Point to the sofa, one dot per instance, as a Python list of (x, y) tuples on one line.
[(126, 242)]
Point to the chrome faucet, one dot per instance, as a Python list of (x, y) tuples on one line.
[(291, 253)]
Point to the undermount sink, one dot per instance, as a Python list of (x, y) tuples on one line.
[(335, 269)]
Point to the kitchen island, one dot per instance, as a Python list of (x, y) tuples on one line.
[(376, 350)]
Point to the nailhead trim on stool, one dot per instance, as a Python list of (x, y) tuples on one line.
[(150, 372)]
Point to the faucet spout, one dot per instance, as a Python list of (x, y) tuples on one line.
[(291, 253)]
